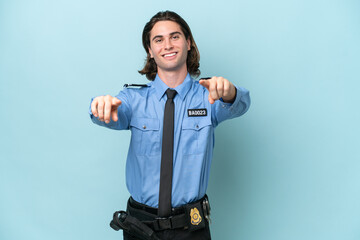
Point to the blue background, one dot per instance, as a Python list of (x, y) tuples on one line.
[(288, 169)]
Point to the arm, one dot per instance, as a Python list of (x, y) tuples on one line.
[(110, 112), (219, 88), (228, 101)]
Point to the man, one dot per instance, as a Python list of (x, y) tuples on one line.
[(172, 121)]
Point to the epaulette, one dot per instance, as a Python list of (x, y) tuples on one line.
[(205, 78), (135, 85)]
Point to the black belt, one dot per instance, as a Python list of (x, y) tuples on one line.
[(142, 221), (181, 217), (151, 210)]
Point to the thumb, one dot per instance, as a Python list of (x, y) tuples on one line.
[(205, 84), (116, 102)]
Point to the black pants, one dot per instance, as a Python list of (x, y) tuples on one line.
[(170, 234)]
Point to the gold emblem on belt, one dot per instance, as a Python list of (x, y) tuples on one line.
[(195, 216)]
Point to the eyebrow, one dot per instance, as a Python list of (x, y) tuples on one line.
[(160, 36)]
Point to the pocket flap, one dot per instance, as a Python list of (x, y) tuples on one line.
[(145, 124), (196, 123)]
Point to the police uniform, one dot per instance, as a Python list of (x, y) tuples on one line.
[(142, 111)]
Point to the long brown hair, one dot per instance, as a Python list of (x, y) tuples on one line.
[(193, 57)]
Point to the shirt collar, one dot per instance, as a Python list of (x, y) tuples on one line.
[(181, 90)]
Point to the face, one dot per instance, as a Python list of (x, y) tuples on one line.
[(168, 46)]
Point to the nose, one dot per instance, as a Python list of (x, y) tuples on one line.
[(168, 44)]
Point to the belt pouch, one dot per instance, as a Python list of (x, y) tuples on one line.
[(195, 216), (133, 226)]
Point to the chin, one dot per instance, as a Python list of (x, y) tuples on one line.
[(169, 67)]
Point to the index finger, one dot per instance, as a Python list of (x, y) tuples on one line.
[(204, 83)]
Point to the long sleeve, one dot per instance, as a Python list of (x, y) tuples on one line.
[(124, 114), (221, 111)]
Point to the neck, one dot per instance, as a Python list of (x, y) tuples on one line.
[(173, 78)]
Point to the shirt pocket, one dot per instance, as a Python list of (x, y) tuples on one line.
[(195, 134), (145, 136)]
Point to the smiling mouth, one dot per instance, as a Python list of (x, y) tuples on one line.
[(170, 54)]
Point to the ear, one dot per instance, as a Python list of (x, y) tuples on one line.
[(151, 54), (188, 44)]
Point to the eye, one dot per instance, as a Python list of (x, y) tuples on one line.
[(157, 40), (176, 37)]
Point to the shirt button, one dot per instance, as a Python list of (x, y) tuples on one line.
[(197, 126), (144, 127)]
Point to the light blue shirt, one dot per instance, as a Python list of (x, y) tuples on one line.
[(142, 111)]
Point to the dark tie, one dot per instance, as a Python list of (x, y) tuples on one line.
[(167, 151)]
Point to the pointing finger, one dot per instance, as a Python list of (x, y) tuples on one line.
[(205, 84)]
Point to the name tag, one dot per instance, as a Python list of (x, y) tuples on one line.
[(197, 112)]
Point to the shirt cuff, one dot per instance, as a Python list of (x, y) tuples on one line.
[(239, 93), (90, 112)]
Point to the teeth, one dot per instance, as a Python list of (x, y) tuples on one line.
[(169, 55)]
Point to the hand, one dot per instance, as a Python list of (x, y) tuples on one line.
[(104, 107), (219, 87)]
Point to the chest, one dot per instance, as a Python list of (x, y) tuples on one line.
[(192, 125)]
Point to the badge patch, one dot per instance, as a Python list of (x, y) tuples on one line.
[(197, 112), (195, 216)]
